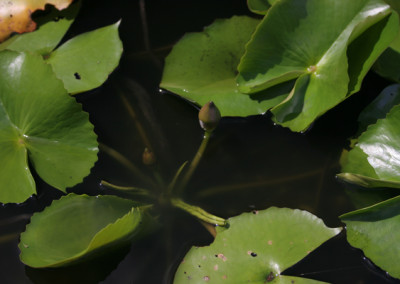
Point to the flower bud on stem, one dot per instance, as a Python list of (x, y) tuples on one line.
[(209, 116)]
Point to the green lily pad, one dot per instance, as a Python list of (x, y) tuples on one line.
[(202, 67), (308, 39), (374, 161), (77, 227), (376, 230), (85, 61), (51, 29), (380, 106), (387, 64), (260, 6), (256, 248), (40, 120)]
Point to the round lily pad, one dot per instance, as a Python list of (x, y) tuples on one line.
[(77, 227), (256, 248), (375, 159), (40, 120), (376, 230), (202, 67)]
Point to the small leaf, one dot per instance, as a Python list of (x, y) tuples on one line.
[(77, 226), (375, 159), (38, 119), (52, 28), (202, 67), (284, 47), (85, 61), (15, 15), (256, 248), (376, 230)]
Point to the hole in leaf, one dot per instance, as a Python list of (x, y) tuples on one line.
[(77, 76)]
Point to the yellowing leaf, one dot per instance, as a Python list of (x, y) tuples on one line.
[(15, 15)]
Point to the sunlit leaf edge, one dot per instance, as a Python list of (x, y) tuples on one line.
[(90, 250)]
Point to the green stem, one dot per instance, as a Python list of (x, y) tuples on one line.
[(128, 189), (172, 185), (199, 213), (195, 162)]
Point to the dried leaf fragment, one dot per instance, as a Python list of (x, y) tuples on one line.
[(15, 15)]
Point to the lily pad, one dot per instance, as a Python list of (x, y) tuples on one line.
[(202, 67), (256, 248), (85, 61), (387, 64), (77, 227), (376, 230), (40, 120), (51, 29), (380, 106), (375, 159), (307, 39)]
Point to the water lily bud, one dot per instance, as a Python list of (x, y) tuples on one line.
[(209, 116), (148, 157)]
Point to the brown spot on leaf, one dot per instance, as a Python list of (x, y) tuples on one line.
[(221, 256), (270, 277)]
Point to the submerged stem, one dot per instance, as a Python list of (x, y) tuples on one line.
[(199, 212), (128, 189), (195, 162), (172, 185), (124, 161)]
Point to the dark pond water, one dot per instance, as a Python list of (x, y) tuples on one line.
[(249, 164)]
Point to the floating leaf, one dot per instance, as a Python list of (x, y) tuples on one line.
[(380, 106), (85, 61), (52, 28), (376, 230), (387, 64), (308, 39), (202, 67), (375, 159), (38, 119), (260, 6), (76, 227), (15, 15), (256, 248)]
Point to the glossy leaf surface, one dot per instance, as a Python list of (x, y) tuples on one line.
[(77, 226), (51, 30), (376, 230), (256, 248), (318, 42), (40, 120), (375, 159), (15, 15), (202, 67), (85, 61)]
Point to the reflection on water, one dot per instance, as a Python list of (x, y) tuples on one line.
[(250, 163)]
